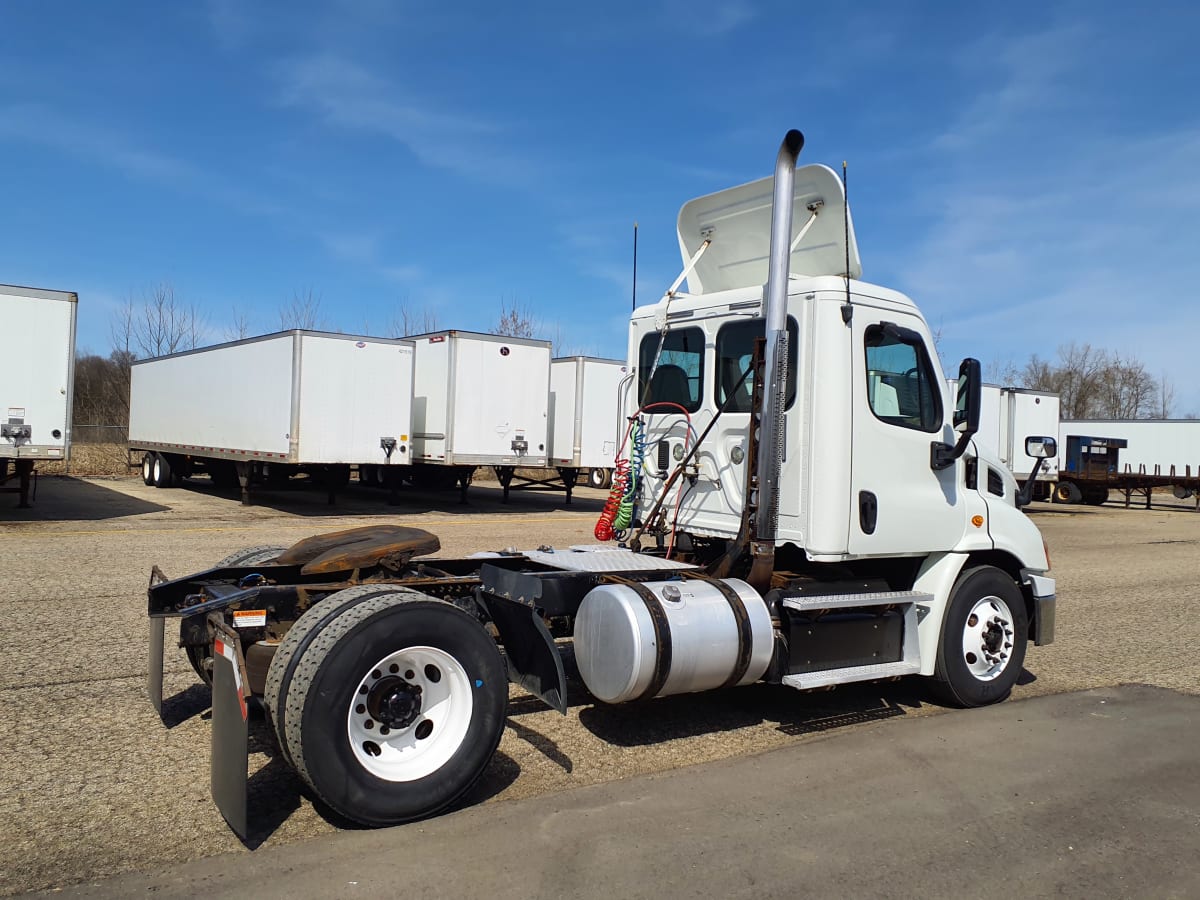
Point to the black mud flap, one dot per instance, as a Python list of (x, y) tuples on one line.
[(230, 760), (154, 663), (529, 649), (154, 666)]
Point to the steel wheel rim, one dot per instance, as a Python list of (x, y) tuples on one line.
[(411, 749), (157, 469), (987, 645), (147, 470)]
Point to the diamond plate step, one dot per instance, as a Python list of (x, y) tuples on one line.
[(808, 680), (841, 601)]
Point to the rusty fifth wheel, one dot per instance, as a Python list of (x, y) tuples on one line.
[(388, 702)]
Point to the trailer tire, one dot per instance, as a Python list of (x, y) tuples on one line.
[(161, 471), (983, 640), (148, 469), (1095, 495), (201, 657), (600, 478), (395, 707)]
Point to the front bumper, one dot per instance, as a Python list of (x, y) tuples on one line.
[(1041, 589)]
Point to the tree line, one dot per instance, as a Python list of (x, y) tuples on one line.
[(1096, 383), (159, 322)]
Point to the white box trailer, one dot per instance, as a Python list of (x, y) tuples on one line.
[(480, 400), (585, 414), (1025, 413), (37, 371), (1007, 416), (271, 405), (1154, 446)]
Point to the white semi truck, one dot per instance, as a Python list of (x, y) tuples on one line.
[(262, 409), (37, 370), (797, 501)]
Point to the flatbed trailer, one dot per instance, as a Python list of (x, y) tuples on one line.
[(1094, 467)]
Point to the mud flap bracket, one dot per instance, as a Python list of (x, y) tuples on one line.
[(529, 649)]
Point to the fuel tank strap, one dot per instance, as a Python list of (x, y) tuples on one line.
[(745, 634), (662, 634)]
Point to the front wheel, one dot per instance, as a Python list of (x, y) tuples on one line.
[(982, 646), (394, 707)]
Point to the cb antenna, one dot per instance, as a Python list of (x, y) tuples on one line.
[(635, 224), (846, 233)]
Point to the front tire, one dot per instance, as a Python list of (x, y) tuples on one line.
[(983, 640), (394, 705)]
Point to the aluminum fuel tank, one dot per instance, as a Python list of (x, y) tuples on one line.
[(653, 639)]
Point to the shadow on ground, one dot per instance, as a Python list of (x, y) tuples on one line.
[(64, 498)]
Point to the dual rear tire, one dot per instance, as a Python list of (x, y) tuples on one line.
[(388, 703)]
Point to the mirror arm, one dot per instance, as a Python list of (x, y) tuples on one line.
[(1025, 495)]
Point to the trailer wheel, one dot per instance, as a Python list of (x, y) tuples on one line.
[(600, 478), (161, 471), (201, 657), (148, 469), (1095, 495), (984, 635), (395, 707)]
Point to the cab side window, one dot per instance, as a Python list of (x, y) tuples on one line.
[(901, 387), (735, 349), (680, 372)]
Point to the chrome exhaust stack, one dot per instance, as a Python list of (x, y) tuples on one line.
[(771, 438)]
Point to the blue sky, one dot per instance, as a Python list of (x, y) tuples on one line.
[(1028, 173)]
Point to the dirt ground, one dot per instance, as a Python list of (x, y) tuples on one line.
[(94, 784)]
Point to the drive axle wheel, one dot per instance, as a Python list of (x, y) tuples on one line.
[(983, 641), (389, 703)]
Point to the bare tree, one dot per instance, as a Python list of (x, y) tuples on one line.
[(406, 320), (157, 324), (1093, 383), (1166, 397), (239, 326), (516, 320), (303, 311)]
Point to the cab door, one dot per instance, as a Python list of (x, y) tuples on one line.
[(899, 503)]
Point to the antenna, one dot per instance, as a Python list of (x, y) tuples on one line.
[(635, 224), (846, 223)]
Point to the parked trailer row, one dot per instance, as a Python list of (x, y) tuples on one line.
[(1132, 456), (37, 373), (427, 410)]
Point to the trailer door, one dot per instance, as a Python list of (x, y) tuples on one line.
[(899, 504)]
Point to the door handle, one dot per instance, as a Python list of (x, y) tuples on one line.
[(868, 511)]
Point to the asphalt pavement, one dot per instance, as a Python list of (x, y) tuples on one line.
[(1086, 794)]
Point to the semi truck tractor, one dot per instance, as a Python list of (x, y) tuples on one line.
[(796, 501)]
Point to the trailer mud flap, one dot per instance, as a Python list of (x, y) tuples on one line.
[(230, 757), (529, 650)]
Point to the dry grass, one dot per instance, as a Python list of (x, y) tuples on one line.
[(90, 459)]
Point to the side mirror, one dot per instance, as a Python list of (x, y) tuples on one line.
[(1041, 447), (970, 397), (966, 415)]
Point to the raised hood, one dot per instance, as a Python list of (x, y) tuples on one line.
[(738, 220)]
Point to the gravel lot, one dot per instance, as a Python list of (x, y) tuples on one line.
[(93, 784)]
